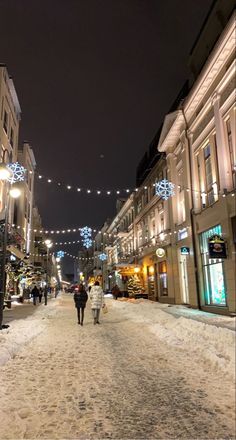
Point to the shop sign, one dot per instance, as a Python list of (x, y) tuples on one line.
[(217, 247), (160, 252), (184, 250)]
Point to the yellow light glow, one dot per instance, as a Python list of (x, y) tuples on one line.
[(137, 269), (5, 173), (15, 193), (151, 269), (160, 252)]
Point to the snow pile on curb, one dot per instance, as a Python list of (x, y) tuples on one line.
[(21, 331), (213, 345)]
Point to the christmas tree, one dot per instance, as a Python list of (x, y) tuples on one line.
[(134, 285)]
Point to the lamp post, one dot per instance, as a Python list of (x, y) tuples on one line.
[(48, 244), (6, 175)]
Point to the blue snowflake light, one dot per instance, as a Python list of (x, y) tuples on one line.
[(87, 242), (102, 256), (18, 172), (85, 231), (86, 234), (165, 189), (60, 254)]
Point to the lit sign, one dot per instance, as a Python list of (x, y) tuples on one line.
[(217, 247), (184, 250), (160, 252)]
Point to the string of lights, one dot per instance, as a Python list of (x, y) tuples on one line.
[(66, 254), (108, 192), (60, 231)]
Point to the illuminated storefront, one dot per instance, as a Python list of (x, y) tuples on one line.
[(213, 270)]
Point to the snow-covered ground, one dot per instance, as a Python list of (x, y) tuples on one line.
[(144, 373)]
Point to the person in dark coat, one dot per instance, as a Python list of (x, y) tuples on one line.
[(45, 294), (40, 294), (35, 294), (80, 299)]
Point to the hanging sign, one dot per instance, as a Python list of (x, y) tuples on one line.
[(184, 250), (217, 247)]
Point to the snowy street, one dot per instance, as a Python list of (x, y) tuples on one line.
[(142, 374)]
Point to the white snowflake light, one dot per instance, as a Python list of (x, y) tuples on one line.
[(87, 242), (102, 257), (165, 189), (18, 172), (85, 231), (86, 234)]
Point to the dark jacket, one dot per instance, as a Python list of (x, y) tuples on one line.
[(35, 292), (80, 299)]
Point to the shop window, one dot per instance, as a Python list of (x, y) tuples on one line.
[(162, 270), (151, 280), (213, 271)]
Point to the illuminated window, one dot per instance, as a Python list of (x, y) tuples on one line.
[(213, 271), (5, 121), (231, 150)]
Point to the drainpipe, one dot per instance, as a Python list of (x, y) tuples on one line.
[(191, 212)]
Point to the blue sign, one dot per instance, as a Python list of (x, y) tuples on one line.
[(184, 250)]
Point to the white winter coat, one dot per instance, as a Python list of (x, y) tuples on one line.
[(96, 297)]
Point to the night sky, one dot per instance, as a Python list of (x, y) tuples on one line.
[(94, 79)]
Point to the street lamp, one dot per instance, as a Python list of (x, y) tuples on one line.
[(48, 244), (6, 175)]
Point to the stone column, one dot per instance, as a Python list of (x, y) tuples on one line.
[(222, 147)]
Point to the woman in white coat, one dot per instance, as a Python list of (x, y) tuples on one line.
[(96, 297)]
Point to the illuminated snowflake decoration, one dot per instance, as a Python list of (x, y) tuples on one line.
[(165, 189), (87, 242), (86, 234), (102, 257), (18, 172), (60, 254)]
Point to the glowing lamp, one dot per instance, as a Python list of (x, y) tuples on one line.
[(151, 269), (137, 269), (160, 252), (5, 172), (15, 193)]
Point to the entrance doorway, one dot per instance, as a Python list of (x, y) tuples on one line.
[(184, 279)]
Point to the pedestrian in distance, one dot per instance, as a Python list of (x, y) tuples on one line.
[(35, 294), (45, 293), (80, 299), (115, 291), (96, 297), (40, 294)]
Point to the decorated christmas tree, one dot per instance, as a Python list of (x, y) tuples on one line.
[(134, 285)]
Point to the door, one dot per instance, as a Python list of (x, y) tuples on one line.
[(184, 279)]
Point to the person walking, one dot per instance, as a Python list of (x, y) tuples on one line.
[(115, 291), (35, 294), (80, 299), (40, 294), (96, 297), (45, 295)]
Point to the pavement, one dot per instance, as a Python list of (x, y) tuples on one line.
[(20, 311), (110, 381)]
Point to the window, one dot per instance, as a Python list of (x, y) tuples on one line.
[(208, 174), (5, 121), (162, 270), (231, 150), (213, 273), (12, 137)]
